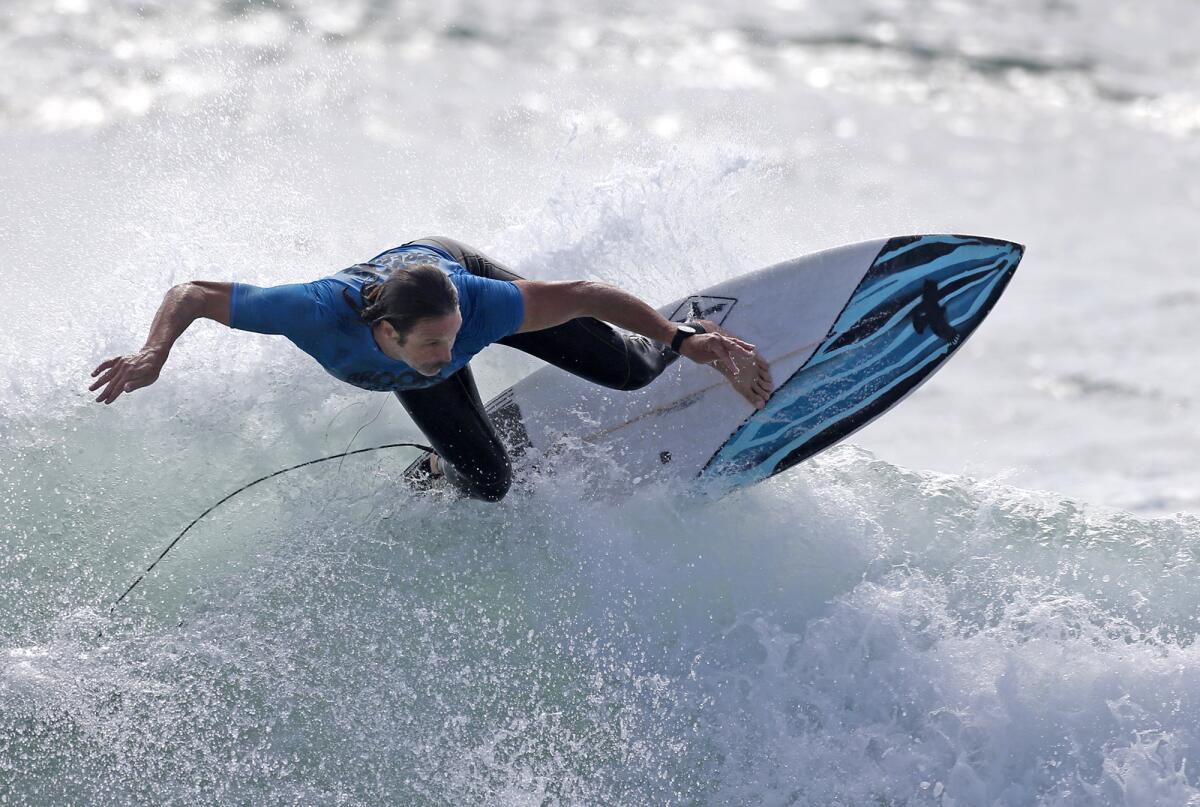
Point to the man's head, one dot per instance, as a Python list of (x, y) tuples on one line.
[(414, 316)]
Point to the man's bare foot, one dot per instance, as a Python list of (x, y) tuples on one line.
[(750, 374)]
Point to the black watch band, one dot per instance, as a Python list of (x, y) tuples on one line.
[(683, 332)]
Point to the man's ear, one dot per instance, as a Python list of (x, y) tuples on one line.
[(388, 331)]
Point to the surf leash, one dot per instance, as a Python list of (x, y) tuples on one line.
[(171, 545)]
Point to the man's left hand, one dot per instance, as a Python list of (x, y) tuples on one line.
[(737, 360)]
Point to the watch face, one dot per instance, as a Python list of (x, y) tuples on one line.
[(689, 329)]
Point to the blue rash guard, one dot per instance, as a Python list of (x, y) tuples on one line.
[(317, 319)]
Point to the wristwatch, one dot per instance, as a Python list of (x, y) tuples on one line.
[(683, 331)]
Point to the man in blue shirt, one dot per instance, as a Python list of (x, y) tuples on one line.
[(409, 321)]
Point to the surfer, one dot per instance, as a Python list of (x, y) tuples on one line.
[(409, 320)]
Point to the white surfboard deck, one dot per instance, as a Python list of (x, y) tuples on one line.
[(849, 332)]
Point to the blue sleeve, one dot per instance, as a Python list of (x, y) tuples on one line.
[(290, 309), (497, 307)]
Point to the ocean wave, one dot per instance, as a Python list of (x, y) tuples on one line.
[(852, 631)]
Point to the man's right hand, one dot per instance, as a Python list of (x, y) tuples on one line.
[(181, 306), (127, 373)]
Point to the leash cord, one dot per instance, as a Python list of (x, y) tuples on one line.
[(171, 545)]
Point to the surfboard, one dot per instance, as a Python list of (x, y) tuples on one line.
[(849, 333)]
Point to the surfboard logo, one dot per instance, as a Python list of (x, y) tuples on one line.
[(931, 314), (699, 306)]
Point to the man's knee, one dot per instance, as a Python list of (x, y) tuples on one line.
[(494, 488), (487, 481)]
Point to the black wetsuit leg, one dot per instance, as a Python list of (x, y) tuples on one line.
[(451, 416), (451, 413)]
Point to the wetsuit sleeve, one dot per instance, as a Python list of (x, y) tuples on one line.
[(496, 307), (291, 309)]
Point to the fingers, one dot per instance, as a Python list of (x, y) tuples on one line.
[(764, 371), (757, 398), (761, 396), (721, 347), (763, 388), (111, 380), (106, 364), (104, 379), (114, 389), (740, 362), (116, 380), (758, 389)]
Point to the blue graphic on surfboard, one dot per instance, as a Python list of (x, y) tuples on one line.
[(849, 332), (920, 299)]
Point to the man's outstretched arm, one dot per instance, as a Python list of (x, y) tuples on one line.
[(551, 303), (182, 305)]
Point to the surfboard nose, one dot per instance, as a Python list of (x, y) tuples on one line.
[(961, 278), (945, 284), (920, 299)]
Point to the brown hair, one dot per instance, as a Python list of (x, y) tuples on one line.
[(412, 293)]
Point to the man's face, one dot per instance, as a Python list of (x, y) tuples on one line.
[(426, 348)]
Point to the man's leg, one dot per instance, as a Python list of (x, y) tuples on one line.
[(451, 416), (585, 346)]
